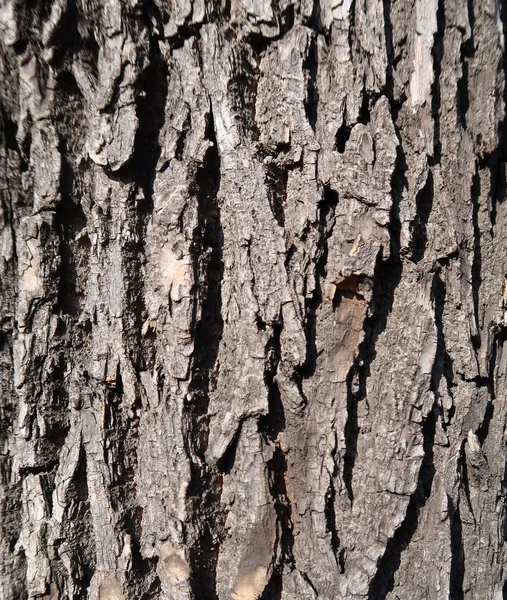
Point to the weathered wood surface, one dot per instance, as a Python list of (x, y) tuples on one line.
[(253, 295)]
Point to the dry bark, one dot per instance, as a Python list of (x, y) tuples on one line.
[(253, 297)]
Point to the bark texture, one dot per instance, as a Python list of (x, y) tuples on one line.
[(253, 299)]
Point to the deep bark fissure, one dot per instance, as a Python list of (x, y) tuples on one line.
[(203, 495), (475, 194), (330, 514), (311, 65), (285, 19), (384, 580), (457, 574), (424, 205), (351, 425), (388, 32), (437, 53), (342, 136), (386, 278), (462, 470), (150, 110), (497, 347), (442, 367), (325, 226), (496, 160), (70, 220), (467, 52), (276, 183), (284, 542), (271, 426)]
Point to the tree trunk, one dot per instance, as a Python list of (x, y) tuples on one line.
[(253, 297)]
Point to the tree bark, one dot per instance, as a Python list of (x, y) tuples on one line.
[(253, 299)]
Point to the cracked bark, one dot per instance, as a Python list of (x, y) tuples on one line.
[(253, 299)]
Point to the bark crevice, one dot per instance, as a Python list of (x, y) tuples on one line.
[(384, 580), (203, 495)]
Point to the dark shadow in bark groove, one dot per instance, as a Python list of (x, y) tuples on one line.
[(150, 110), (277, 467), (462, 470), (70, 220), (142, 170), (475, 193), (457, 574), (388, 32), (383, 581), (203, 494), (342, 137), (497, 348), (315, 21), (276, 184), (386, 278), (270, 426), (9, 134), (467, 51), (424, 205), (285, 19), (311, 65), (330, 514), (225, 463), (142, 578), (442, 367), (437, 54), (351, 429), (496, 160), (273, 423), (327, 207)]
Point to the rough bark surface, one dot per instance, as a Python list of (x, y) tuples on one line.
[(253, 299)]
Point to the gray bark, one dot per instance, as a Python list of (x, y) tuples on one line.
[(253, 299)]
